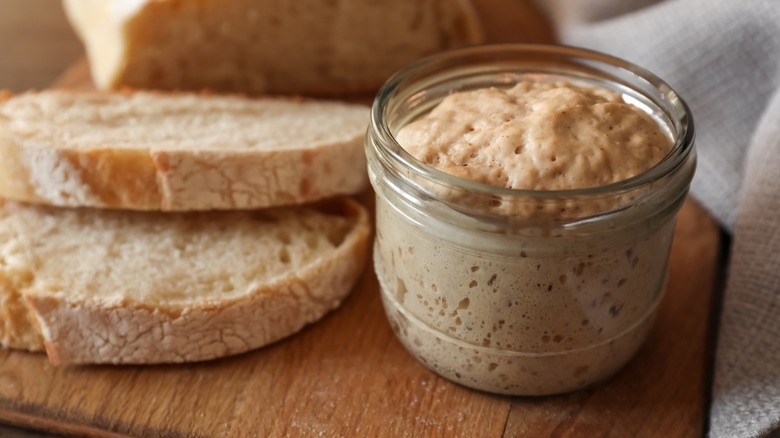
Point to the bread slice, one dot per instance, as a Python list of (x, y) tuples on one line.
[(177, 152), (311, 47), (109, 286)]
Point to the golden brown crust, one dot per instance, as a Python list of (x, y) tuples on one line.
[(122, 178), (17, 327)]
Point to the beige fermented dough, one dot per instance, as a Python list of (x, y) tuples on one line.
[(265, 46), (530, 318), (525, 314), (537, 136), (108, 286), (178, 151)]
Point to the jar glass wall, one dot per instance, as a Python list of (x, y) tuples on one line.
[(518, 291)]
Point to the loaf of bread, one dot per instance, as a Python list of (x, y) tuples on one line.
[(110, 286), (311, 47), (177, 152)]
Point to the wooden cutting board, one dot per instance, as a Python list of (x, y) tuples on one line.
[(348, 376)]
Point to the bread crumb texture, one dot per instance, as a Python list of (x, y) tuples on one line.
[(178, 152), (123, 287)]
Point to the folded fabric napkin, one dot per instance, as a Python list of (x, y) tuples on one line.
[(723, 57)]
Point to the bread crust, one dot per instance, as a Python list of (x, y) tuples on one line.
[(178, 180), (88, 331), (130, 47), (17, 327)]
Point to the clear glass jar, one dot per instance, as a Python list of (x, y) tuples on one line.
[(517, 291)]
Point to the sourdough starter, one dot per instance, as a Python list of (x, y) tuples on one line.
[(527, 316)]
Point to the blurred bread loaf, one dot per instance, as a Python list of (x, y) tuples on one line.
[(177, 151), (311, 47), (110, 286)]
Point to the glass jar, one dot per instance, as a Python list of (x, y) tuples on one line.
[(522, 292)]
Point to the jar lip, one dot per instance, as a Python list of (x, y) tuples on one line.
[(683, 141)]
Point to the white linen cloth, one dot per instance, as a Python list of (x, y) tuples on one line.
[(723, 57)]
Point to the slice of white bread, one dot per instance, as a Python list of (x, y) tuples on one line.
[(311, 47), (109, 286), (177, 152)]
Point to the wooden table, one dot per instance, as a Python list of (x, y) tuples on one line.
[(348, 376)]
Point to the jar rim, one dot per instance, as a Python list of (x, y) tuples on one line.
[(391, 149)]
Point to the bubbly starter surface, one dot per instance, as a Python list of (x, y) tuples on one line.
[(538, 136)]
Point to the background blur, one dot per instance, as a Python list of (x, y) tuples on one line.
[(36, 43)]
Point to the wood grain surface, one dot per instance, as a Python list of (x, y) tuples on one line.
[(347, 375)]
